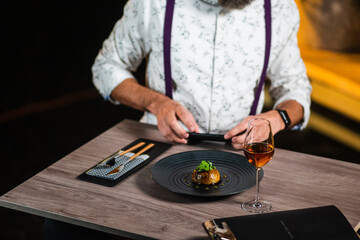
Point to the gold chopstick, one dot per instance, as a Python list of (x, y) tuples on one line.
[(132, 148), (141, 151)]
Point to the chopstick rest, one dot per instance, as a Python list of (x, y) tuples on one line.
[(121, 166), (110, 161), (120, 161)]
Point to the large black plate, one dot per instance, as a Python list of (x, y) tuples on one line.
[(174, 173)]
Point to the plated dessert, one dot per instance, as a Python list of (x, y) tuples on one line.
[(205, 174), (176, 173)]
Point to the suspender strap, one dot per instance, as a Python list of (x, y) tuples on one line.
[(167, 44), (267, 55)]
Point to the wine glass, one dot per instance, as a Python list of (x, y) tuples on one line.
[(258, 149)]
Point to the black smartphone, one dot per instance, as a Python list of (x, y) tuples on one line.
[(207, 137)]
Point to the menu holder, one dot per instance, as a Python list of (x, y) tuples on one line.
[(99, 173), (326, 222)]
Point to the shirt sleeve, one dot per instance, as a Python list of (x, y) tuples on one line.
[(287, 73), (123, 51)]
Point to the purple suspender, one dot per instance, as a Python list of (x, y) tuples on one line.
[(167, 44), (267, 55)]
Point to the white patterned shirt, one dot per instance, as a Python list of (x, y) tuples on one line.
[(217, 56)]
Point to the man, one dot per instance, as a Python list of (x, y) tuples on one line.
[(217, 56)]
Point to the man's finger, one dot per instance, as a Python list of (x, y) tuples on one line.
[(169, 134), (239, 129), (238, 139), (238, 145), (187, 118), (177, 129)]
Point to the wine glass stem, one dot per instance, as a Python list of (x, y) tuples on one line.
[(257, 199)]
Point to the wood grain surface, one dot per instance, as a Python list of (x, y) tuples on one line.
[(139, 208)]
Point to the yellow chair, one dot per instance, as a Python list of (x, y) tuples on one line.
[(335, 78)]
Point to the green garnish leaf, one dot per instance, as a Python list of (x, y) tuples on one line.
[(205, 166)]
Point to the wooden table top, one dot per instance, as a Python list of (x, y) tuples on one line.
[(138, 207)]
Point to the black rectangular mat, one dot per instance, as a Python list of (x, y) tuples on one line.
[(99, 172)]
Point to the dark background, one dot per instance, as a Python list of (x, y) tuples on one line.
[(49, 106)]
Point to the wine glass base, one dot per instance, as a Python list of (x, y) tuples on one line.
[(256, 207)]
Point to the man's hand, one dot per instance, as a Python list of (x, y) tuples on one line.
[(293, 108), (167, 111), (237, 134)]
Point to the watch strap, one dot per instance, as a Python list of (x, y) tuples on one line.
[(285, 117)]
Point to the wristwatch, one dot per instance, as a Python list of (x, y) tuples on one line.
[(285, 117)]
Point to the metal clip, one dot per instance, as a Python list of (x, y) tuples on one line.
[(221, 233)]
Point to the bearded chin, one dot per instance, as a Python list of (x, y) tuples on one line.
[(234, 4)]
